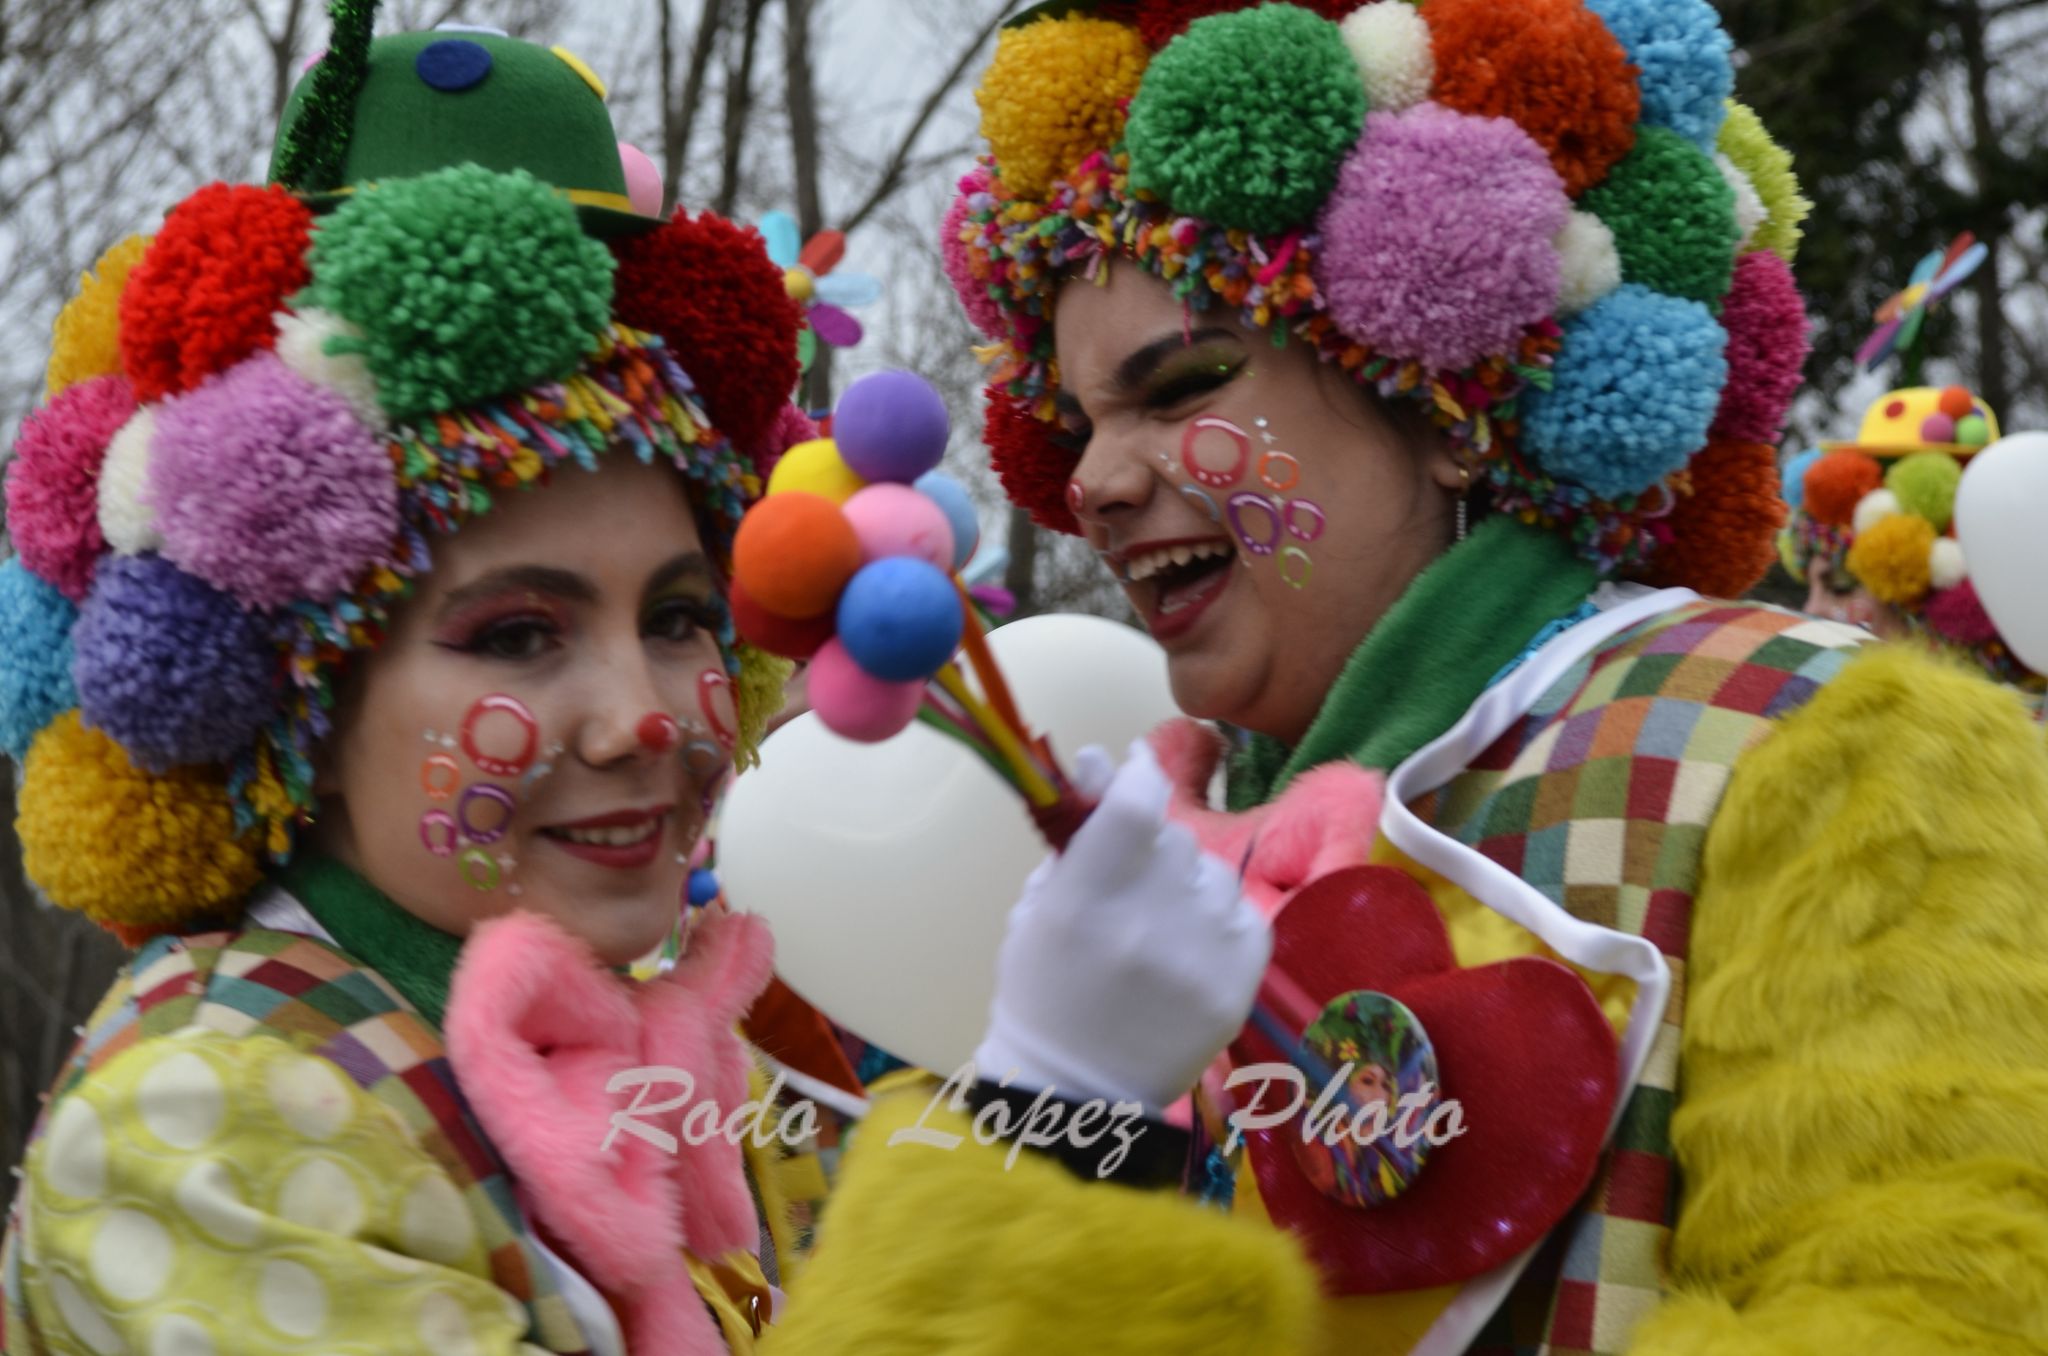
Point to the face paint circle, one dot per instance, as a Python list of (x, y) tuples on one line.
[(439, 776), (702, 756), (658, 732), (479, 870), (1273, 466), (438, 832), (1203, 501), (488, 833), (721, 712), (1390, 1058), (510, 708), (1295, 556), (1299, 509), (1246, 500), (1241, 446)]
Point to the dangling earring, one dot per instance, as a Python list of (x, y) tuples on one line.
[(1464, 489)]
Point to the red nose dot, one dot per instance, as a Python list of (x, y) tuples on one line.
[(659, 732), (1076, 500)]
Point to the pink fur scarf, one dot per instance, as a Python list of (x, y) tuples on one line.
[(536, 1027), (1324, 822)]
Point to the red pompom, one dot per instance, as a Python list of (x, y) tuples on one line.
[(1767, 347), (783, 636), (207, 291), (708, 288), (1161, 21), (1958, 615), (1551, 66), (1837, 483), (1030, 462), (1725, 531)]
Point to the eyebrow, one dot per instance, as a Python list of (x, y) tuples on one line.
[(567, 585), (1141, 362)]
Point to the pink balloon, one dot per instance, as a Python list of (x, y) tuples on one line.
[(643, 180), (853, 705), (896, 520)]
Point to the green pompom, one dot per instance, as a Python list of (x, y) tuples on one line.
[(1673, 217), (1769, 167), (1925, 485), (1244, 119), (465, 283)]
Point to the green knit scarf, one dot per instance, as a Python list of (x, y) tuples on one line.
[(414, 955)]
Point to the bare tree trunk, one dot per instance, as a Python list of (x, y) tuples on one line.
[(801, 95), (679, 116), (1988, 160), (739, 103), (1020, 577)]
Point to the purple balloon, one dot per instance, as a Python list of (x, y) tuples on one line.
[(891, 426)]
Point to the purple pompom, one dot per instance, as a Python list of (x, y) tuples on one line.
[(175, 670), (1439, 241), (268, 487)]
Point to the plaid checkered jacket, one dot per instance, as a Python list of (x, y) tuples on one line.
[(1600, 797)]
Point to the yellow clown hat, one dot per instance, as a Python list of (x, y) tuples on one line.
[(1924, 419)]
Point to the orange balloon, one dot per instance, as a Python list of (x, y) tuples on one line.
[(794, 553)]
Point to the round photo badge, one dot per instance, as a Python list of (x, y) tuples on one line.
[(1376, 1148)]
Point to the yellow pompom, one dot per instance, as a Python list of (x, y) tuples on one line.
[(815, 467), (122, 846), (86, 341), (1054, 93), (1891, 559), (759, 695)]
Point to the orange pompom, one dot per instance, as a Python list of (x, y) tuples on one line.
[(1957, 403), (1837, 483), (794, 554), (1726, 529), (1551, 66)]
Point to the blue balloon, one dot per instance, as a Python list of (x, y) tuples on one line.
[(703, 888), (900, 619), (951, 496)]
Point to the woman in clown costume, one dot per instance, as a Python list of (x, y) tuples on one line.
[(1417, 369), (369, 669)]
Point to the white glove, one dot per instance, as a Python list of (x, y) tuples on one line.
[(1131, 959)]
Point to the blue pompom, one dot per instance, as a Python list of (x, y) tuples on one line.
[(1793, 488), (951, 496), (35, 656), (1633, 392), (900, 619), (1683, 55), (174, 669), (703, 888)]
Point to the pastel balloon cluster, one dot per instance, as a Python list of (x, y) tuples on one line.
[(848, 561)]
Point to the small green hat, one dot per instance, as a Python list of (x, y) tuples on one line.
[(427, 101)]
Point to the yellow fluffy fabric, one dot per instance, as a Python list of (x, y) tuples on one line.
[(86, 341), (933, 1252), (1862, 1129)]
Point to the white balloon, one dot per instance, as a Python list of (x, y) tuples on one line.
[(888, 870), (2001, 506)]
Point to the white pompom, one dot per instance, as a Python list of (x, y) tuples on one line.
[(1750, 212), (1946, 567), (129, 524), (1390, 42), (1589, 267), (302, 344), (1874, 508)]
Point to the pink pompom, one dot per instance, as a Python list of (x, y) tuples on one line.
[(896, 520), (790, 427), (268, 488), (643, 180), (1767, 346), (53, 484), (1958, 615), (852, 704), (1439, 243), (982, 310)]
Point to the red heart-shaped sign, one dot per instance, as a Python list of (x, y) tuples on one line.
[(1521, 1045)]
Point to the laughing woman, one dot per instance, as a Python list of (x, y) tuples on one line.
[(369, 668), (1388, 353)]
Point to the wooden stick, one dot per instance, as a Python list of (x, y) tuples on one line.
[(984, 661), (1036, 787)]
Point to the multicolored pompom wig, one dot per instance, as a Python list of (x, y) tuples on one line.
[(1543, 220), (260, 418)]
